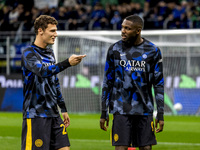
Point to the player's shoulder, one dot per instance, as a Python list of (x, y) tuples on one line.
[(150, 46), (27, 50), (116, 45)]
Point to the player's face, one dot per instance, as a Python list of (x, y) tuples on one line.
[(129, 31), (49, 34)]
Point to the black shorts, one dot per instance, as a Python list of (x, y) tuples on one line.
[(133, 130), (44, 134)]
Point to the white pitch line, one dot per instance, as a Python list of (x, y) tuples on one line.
[(160, 143), (108, 141), (176, 143), (9, 137)]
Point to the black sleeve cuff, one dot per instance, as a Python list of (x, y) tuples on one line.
[(160, 116), (64, 109), (64, 64), (104, 115)]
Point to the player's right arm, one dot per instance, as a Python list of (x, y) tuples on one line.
[(108, 81), (33, 63)]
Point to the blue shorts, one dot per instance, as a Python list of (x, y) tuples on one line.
[(44, 134), (133, 130)]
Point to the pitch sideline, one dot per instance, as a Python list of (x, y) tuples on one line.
[(104, 141)]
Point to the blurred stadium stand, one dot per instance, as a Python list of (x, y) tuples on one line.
[(99, 14), (17, 18)]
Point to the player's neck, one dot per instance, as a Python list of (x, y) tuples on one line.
[(134, 42), (39, 42), (138, 41)]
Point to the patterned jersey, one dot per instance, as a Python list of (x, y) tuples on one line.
[(130, 73), (41, 91)]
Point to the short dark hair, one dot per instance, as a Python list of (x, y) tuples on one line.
[(42, 22), (136, 19)]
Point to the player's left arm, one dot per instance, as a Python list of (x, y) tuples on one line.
[(61, 104), (159, 90)]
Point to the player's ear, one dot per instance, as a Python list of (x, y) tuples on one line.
[(40, 31), (139, 29)]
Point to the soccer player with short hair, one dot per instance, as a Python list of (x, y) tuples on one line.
[(133, 66), (43, 128)]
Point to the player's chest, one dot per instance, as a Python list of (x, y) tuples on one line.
[(47, 60), (134, 59)]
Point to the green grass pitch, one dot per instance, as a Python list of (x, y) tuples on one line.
[(180, 133)]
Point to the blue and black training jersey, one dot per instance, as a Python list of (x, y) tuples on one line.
[(41, 91), (130, 73)]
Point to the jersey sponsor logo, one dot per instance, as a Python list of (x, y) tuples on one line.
[(133, 65), (38, 143), (116, 137)]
